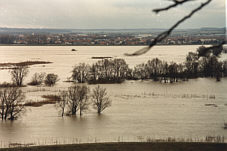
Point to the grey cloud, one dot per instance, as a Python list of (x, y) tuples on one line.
[(104, 14)]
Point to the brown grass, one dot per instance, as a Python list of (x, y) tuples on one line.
[(157, 146), (7, 85)]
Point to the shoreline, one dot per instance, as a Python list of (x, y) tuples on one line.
[(129, 146), (106, 45)]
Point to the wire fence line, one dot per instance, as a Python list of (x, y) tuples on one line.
[(119, 139)]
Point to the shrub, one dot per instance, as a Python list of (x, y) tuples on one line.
[(51, 79), (37, 79)]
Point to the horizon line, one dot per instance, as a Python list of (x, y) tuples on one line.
[(50, 28)]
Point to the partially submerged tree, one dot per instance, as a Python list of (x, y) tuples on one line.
[(51, 79), (11, 103), (100, 100), (62, 102), (73, 99), (140, 72), (18, 74), (209, 65), (192, 64), (78, 99), (83, 98), (154, 68)]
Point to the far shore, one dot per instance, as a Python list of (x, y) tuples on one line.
[(130, 146)]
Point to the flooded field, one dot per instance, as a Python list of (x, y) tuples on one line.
[(140, 109)]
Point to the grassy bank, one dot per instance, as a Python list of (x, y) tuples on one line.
[(155, 146)]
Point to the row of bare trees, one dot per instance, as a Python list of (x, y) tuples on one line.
[(159, 70), (196, 65), (78, 98), (201, 63)]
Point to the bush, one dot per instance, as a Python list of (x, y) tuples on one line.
[(51, 79), (37, 79)]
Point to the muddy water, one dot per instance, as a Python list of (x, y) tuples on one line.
[(140, 109)]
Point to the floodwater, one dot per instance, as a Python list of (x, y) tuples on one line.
[(140, 109)]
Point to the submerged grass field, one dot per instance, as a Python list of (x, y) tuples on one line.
[(152, 146)]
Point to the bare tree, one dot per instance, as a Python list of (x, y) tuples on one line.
[(78, 99), (63, 101), (12, 103), (140, 72), (81, 72), (18, 74), (83, 98), (73, 99), (100, 100), (2, 104)]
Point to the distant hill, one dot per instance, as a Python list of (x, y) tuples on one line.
[(139, 30), (33, 30)]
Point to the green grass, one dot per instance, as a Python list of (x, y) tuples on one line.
[(154, 146)]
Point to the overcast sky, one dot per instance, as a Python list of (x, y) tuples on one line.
[(98, 14)]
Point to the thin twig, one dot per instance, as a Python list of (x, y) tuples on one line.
[(164, 34), (176, 3)]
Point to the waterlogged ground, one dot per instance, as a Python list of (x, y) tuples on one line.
[(140, 109)]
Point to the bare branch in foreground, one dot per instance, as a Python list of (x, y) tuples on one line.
[(216, 49), (176, 3), (165, 34)]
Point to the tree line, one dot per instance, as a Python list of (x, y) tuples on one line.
[(201, 63), (197, 64)]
